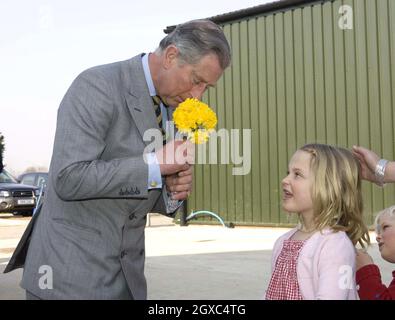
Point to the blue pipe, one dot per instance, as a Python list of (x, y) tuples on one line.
[(38, 200), (194, 214)]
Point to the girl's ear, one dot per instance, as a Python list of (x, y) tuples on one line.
[(170, 56)]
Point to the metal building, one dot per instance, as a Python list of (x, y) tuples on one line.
[(302, 71)]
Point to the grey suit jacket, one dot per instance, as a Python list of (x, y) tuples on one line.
[(90, 232)]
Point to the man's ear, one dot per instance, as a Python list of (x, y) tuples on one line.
[(170, 56)]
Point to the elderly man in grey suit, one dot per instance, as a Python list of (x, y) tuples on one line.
[(88, 239)]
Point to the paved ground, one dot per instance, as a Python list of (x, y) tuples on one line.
[(193, 262)]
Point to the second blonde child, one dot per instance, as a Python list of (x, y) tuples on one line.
[(368, 274)]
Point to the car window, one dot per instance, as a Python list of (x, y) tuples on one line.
[(5, 177), (28, 179)]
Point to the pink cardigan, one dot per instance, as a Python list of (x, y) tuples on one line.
[(325, 267)]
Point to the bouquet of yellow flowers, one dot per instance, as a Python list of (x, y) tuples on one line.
[(195, 119)]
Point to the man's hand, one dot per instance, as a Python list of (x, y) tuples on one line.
[(363, 259), (180, 184), (175, 156)]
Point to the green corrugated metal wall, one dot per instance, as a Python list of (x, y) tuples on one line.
[(296, 77)]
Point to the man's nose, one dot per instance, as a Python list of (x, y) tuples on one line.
[(198, 91)]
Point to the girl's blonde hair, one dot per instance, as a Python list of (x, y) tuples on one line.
[(336, 191), (388, 211)]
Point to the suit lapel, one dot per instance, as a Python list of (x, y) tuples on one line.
[(138, 100), (143, 114)]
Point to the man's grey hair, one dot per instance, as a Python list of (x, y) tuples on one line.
[(390, 212), (197, 38)]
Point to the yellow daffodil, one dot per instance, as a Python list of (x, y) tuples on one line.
[(196, 119)]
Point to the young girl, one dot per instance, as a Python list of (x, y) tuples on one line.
[(368, 274), (316, 260)]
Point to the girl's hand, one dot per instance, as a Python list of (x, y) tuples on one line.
[(363, 259)]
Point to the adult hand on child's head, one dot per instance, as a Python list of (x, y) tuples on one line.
[(368, 160), (363, 259)]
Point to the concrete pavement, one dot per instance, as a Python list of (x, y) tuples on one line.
[(193, 262)]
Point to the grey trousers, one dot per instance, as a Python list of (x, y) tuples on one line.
[(31, 296)]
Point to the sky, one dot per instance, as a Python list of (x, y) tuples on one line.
[(44, 45)]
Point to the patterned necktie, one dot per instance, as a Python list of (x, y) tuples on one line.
[(158, 113)]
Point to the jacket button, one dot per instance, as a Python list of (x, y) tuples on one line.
[(123, 253), (141, 252), (132, 216)]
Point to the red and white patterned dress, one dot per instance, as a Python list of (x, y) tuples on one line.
[(283, 284)]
